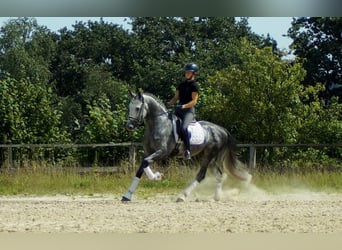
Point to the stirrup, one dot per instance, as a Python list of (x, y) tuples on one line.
[(187, 154)]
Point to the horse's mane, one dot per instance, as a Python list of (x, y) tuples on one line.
[(155, 98)]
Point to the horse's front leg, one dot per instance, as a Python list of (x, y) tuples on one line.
[(144, 167)]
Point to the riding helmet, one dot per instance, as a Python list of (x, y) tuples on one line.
[(191, 67)]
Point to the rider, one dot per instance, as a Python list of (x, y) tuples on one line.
[(187, 94)]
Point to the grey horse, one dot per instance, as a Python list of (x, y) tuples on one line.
[(218, 147)]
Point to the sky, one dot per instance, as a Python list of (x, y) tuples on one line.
[(276, 27)]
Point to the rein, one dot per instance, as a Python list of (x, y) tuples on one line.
[(163, 113), (139, 120)]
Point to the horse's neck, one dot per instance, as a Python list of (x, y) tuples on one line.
[(157, 116), (154, 108)]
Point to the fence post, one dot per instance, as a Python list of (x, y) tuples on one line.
[(132, 155), (10, 157), (252, 157)]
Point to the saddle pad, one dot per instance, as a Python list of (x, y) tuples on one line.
[(196, 133)]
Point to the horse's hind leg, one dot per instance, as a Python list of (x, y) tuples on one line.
[(187, 191), (200, 177), (220, 177), (190, 188)]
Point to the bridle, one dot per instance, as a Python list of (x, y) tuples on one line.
[(139, 119)]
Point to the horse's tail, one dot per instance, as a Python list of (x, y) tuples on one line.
[(231, 162)]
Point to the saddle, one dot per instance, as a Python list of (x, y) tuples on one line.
[(195, 131)]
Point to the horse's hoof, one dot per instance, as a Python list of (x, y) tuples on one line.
[(125, 199), (180, 199), (158, 176), (217, 198)]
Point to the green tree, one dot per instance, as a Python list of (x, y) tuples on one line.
[(106, 98), (105, 117), (262, 100), (259, 97), (318, 42), (27, 114), (90, 44), (318, 123), (28, 105), (163, 45), (91, 62), (26, 50)]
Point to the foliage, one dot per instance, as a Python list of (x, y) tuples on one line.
[(318, 123), (27, 114), (165, 44), (317, 41), (260, 97), (95, 44), (26, 50), (91, 65), (106, 101), (71, 85), (261, 100)]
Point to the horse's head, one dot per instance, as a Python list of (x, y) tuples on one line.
[(137, 111)]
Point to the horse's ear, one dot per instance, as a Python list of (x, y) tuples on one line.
[(131, 93), (139, 91)]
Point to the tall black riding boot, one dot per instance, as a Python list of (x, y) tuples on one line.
[(185, 138)]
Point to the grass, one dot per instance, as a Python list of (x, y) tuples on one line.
[(48, 181), (314, 181)]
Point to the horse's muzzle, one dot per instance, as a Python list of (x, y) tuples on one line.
[(130, 126)]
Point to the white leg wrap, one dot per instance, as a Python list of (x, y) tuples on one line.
[(218, 191), (149, 173), (152, 176), (132, 188), (134, 184), (189, 189)]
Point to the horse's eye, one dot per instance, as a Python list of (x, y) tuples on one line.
[(137, 108)]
